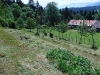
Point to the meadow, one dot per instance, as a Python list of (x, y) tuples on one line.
[(73, 36), (24, 53)]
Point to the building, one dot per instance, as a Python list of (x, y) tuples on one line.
[(97, 25), (90, 23)]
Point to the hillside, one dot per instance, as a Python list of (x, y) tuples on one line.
[(23, 53), (28, 33), (26, 57), (89, 8), (78, 4), (94, 4)]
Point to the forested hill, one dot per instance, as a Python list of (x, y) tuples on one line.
[(16, 14), (89, 8)]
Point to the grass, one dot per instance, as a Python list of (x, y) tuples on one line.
[(74, 36), (83, 50), (27, 56), (7, 38), (23, 56)]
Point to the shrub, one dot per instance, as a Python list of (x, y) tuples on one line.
[(45, 33), (97, 71), (3, 22), (20, 23), (71, 64), (62, 65), (11, 23), (51, 35)]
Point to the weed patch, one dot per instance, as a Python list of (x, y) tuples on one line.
[(71, 64)]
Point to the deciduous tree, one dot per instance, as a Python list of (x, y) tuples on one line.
[(31, 3), (52, 14), (20, 23), (82, 30), (63, 27), (92, 32), (16, 10), (31, 23)]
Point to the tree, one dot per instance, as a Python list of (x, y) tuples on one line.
[(11, 23), (81, 13), (9, 1), (9, 14), (2, 22), (16, 10), (31, 23), (92, 32), (20, 3), (31, 3), (85, 12), (82, 30), (96, 15), (89, 15), (37, 4), (20, 23), (78, 16), (3, 9), (63, 27), (37, 16), (52, 14), (23, 16), (28, 11)]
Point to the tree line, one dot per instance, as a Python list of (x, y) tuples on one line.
[(50, 15)]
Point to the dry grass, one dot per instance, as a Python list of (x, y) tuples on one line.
[(27, 57)]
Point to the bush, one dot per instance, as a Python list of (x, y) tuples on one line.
[(62, 65), (11, 23), (94, 47), (51, 35), (20, 23), (71, 64), (3, 22), (97, 71)]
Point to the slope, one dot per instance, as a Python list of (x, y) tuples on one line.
[(25, 54)]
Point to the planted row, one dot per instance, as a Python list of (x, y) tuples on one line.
[(67, 62)]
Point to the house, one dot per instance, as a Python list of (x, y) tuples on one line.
[(97, 25), (74, 23)]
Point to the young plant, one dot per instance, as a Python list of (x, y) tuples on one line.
[(82, 30)]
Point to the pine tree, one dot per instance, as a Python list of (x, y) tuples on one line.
[(20, 3), (31, 3), (37, 4), (9, 1)]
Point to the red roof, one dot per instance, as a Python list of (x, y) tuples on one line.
[(79, 22), (97, 24), (74, 22)]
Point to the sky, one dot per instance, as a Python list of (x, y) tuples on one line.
[(60, 2)]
